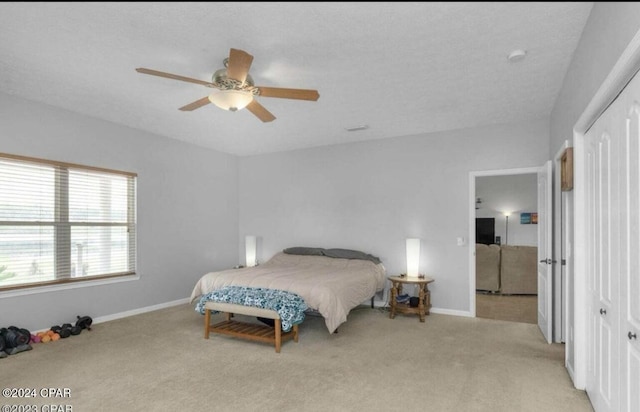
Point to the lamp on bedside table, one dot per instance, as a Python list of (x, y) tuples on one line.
[(251, 246), (413, 258)]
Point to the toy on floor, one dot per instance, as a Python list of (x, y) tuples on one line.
[(57, 332), (66, 330), (48, 336), (84, 322), (14, 340)]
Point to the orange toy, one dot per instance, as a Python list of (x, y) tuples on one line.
[(48, 336)]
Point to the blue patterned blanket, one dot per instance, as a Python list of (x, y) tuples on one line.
[(290, 307)]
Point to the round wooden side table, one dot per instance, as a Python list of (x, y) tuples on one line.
[(424, 295)]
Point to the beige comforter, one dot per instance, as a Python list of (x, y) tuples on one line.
[(328, 285)]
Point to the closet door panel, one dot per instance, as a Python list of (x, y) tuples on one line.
[(602, 142), (630, 249)]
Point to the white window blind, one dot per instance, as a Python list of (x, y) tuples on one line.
[(61, 222)]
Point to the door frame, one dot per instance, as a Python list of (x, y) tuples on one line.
[(622, 72), (560, 237), (472, 220)]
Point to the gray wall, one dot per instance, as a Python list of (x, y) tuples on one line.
[(372, 195), (187, 209), (608, 31)]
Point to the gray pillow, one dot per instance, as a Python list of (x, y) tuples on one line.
[(312, 251), (350, 254)]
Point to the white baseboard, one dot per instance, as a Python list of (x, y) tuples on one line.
[(379, 303), (451, 312), (101, 319), (133, 312), (440, 311), (572, 376), (139, 311)]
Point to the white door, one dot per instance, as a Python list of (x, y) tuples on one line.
[(545, 251), (601, 144), (630, 249)]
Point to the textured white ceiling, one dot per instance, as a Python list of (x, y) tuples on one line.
[(400, 68)]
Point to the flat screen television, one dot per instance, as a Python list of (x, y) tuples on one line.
[(486, 230)]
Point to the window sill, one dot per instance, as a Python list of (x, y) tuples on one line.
[(65, 286)]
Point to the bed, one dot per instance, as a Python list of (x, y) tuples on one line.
[(331, 281)]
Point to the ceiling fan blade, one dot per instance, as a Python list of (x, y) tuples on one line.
[(299, 94), (239, 64), (260, 112), (196, 105), (173, 76)]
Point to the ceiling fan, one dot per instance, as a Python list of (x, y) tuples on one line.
[(236, 89)]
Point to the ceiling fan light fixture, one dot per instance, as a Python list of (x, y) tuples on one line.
[(236, 89), (232, 100)]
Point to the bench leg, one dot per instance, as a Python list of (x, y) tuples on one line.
[(295, 333), (207, 321), (278, 331)]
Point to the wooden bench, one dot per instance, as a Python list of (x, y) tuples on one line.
[(244, 330)]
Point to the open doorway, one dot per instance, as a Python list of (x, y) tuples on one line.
[(506, 278)]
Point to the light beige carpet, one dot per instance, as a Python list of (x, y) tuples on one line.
[(159, 361), (513, 308)]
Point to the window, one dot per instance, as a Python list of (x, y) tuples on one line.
[(61, 222)]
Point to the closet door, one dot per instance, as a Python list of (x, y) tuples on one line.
[(630, 249), (612, 165), (602, 158)]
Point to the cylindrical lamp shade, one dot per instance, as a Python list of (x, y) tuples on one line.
[(413, 257), (251, 245)]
